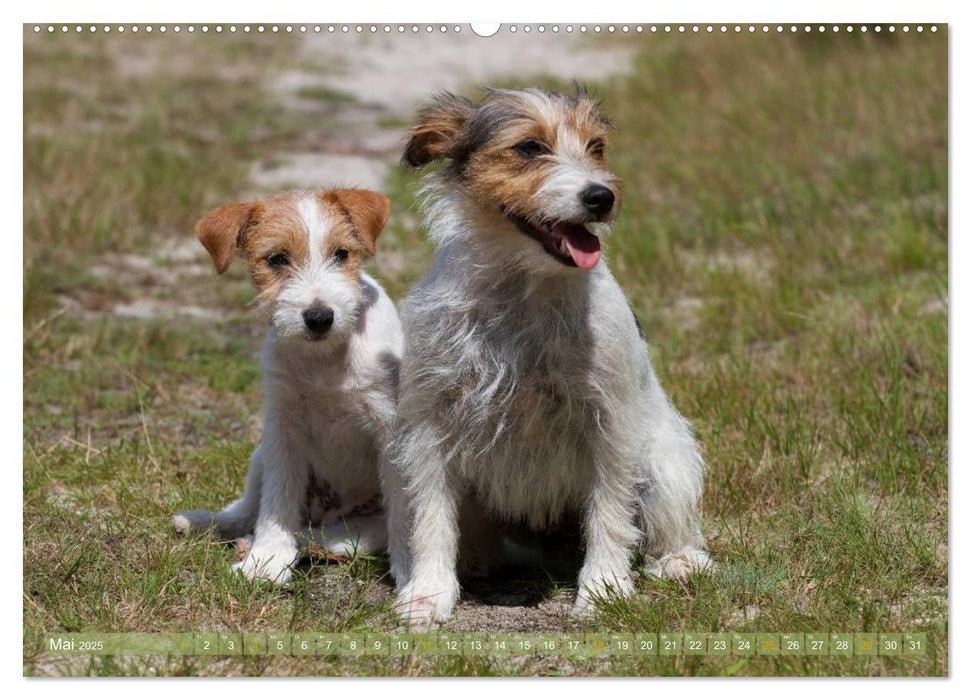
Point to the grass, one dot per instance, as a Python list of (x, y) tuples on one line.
[(784, 242)]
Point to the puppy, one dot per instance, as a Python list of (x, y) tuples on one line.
[(526, 393), (330, 361)]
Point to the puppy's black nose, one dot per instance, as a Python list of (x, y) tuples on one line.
[(318, 318), (598, 200)]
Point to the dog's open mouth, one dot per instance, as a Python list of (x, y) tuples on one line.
[(570, 243)]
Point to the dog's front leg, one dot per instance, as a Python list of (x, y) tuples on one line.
[(398, 521), (609, 537), (284, 488), (432, 587)]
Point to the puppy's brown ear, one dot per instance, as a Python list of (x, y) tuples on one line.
[(221, 231), (368, 211), (436, 129)]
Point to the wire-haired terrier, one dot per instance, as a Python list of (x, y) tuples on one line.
[(330, 363), (526, 394)]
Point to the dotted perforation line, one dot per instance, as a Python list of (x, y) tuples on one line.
[(710, 28), (456, 29), (251, 28)]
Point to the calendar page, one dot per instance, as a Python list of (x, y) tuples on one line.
[(514, 349)]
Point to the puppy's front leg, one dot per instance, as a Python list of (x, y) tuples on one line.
[(432, 587), (284, 488), (609, 536)]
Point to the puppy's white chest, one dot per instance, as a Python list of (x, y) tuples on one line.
[(321, 418)]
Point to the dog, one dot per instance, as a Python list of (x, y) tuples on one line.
[(329, 362), (526, 393)]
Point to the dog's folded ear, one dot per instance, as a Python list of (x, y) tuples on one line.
[(221, 231), (436, 129), (368, 211)]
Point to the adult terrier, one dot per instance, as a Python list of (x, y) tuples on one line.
[(526, 393), (329, 361)]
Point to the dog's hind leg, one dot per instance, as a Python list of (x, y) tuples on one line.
[(669, 496), (235, 520)]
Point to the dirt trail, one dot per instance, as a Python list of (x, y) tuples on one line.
[(384, 77)]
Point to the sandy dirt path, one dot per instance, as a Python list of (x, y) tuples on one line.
[(386, 76)]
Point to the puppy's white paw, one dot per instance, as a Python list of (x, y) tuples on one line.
[(243, 546), (181, 524), (188, 521), (266, 566)]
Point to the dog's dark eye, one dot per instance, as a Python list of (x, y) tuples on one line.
[(597, 147), (530, 148), (278, 261), (340, 255)]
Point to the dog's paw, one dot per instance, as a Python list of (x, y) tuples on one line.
[(181, 524), (243, 546), (594, 589), (188, 521), (266, 566), (583, 606), (419, 611), (681, 564), (416, 615)]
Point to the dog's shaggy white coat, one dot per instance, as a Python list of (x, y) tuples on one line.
[(526, 395)]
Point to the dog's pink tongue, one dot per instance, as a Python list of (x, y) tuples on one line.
[(584, 247)]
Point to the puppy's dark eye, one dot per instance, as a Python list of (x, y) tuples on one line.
[(597, 147), (531, 148), (340, 255), (278, 261)]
